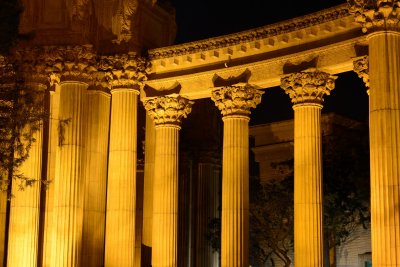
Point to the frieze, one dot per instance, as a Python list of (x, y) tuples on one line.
[(168, 110), (237, 99), (308, 86), (252, 35)]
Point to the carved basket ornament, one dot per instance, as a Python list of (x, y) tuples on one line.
[(236, 100), (308, 87), (376, 14), (168, 109)]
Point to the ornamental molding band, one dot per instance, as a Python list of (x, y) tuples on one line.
[(361, 67), (126, 70), (237, 99), (268, 31), (376, 15), (308, 87), (168, 110)]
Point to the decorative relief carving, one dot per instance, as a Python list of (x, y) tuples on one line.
[(79, 13), (376, 14), (123, 18), (308, 86), (168, 109), (77, 63), (236, 100), (362, 69), (126, 71), (252, 35)]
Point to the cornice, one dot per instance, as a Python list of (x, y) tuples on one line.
[(271, 30)]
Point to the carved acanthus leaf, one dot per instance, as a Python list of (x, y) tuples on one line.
[(308, 86), (361, 67), (126, 71), (376, 14), (168, 110), (236, 100), (72, 63)]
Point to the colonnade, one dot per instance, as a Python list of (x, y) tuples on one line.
[(90, 208)]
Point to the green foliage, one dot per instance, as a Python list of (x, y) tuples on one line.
[(21, 115), (271, 221)]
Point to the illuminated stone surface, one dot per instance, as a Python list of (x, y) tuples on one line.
[(49, 218), (23, 229), (121, 187), (69, 184), (306, 90), (384, 147), (235, 103), (95, 177), (167, 113), (148, 186), (208, 203), (331, 38)]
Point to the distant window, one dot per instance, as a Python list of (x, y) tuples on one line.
[(368, 264)]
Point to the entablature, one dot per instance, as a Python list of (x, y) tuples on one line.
[(328, 38)]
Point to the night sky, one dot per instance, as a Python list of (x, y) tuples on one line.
[(209, 18)]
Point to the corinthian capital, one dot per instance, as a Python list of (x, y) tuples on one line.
[(168, 110), (236, 100), (376, 14), (126, 71), (362, 70), (72, 63), (308, 86)]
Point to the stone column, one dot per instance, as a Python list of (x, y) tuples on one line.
[(235, 103), (7, 81), (148, 191), (381, 20), (75, 66), (95, 176), (139, 213), (167, 113), (208, 205), (121, 187), (25, 205), (52, 143), (307, 89), (127, 71)]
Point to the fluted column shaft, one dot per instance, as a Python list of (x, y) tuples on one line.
[(69, 183), (235, 192), (25, 208), (384, 67), (148, 190), (165, 201), (95, 176), (167, 113), (49, 218), (308, 205), (207, 208), (121, 187), (307, 90), (235, 103)]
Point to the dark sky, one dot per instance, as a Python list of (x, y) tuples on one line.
[(208, 18)]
